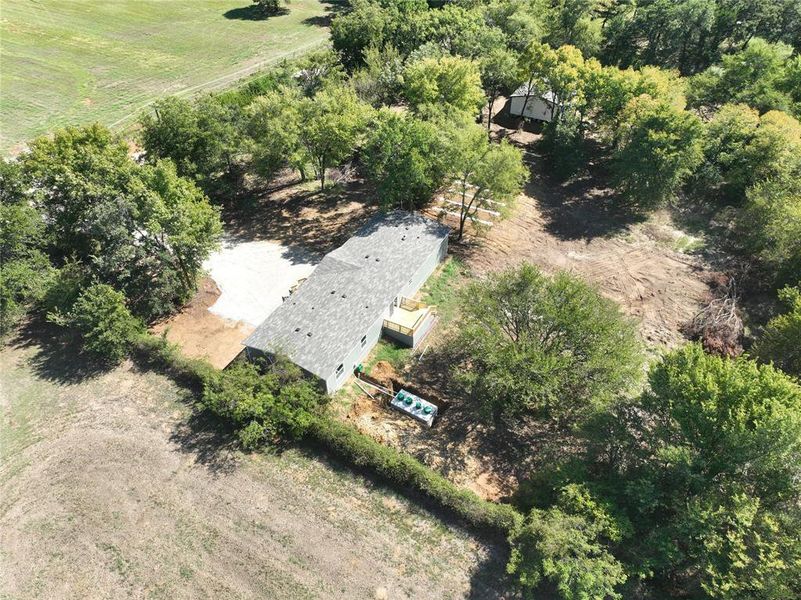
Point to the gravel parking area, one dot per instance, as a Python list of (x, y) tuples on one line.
[(254, 277)]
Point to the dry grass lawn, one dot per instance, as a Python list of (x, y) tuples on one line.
[(111, 487)]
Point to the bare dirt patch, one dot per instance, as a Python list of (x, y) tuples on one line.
[(203, 334), (111, 486), (579, 227)]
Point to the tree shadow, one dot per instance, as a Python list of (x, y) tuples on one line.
[(210, 441), (510, 453), (488, 580), (332, 9), (583, 207), (298, 215), (253, 12), (60, 357)]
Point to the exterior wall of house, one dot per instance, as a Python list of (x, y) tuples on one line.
[(536, 108), (356, 355), (373, 334)]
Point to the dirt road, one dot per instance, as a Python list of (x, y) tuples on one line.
[(110, 487)]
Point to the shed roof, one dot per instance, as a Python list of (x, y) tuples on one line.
[(525, 90), (348, 291)]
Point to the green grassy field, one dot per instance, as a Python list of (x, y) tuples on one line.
[(88, 60)]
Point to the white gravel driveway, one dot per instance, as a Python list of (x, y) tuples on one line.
[(253, 277)]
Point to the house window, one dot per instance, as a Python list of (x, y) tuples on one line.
[(340, 370), (364, 341)]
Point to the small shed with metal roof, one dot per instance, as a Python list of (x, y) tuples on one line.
[(531, 103)]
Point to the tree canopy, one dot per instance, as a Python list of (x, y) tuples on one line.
[(404, 159), (140, 228), (548, 348)]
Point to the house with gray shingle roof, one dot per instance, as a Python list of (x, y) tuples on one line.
[(358, 292)]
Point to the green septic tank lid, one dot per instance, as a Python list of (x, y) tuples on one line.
[(401, 395), (427, 410), (408, 401), (418, 405)]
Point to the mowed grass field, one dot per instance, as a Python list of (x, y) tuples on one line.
[(93, 60), (112, 486)]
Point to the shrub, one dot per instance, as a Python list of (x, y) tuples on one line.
[(271, 403), (781, 341), (770, 227), (101, 318), (406, 471)]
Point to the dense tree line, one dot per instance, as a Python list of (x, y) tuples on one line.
[(97, 241), (686, 486)]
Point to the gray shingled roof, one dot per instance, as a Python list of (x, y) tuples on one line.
[(348, 291)]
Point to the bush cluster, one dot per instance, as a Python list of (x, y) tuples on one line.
[(408, 472)]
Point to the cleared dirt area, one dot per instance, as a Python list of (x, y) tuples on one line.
[(579, 227), (111, 487), (203, 334)]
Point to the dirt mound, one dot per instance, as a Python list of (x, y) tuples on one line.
[(383, 372)]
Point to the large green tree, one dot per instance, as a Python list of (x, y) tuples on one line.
[(658, 149), (542, 347), (443, 86), (499, 76), (403, 24), (770, 227), (403, 158), (141, 229), (561, 71), (273, 129), (332, 124), (715, 498), (566, 545), (690, 35), (779, 343), (757, 75), (202, 138), (25, 270), (486, 176)]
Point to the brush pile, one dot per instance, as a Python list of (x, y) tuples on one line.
[(719, 326)]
